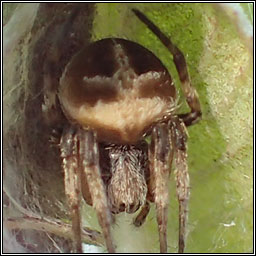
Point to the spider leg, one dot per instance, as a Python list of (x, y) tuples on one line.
[(141, 217), (179, 60), (160, 156), (69, 154), (179, 138), (89, 160)]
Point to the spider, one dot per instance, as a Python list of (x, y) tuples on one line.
[(115, 93)]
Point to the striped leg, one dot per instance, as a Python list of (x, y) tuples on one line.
[(160, 157), (69, 154), (89, 159), (179, 138), (179, 60)]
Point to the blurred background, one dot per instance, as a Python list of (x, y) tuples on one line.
[(216, 40)]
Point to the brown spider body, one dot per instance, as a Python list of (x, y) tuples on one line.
[(117, 88), (114, 93)]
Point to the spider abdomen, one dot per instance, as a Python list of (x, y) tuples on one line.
[(118, 88)]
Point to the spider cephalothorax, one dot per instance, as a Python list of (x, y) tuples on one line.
[(127, 189), (114, 93)]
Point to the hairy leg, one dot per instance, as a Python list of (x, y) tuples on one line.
[(160, 156), (181, 66), (89, 160), (141, 217), (69, 154), (179, 138)]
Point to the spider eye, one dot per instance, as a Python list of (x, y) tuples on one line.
[(122, 207), (113, 155)]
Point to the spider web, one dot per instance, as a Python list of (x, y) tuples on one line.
[(33, 198)]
